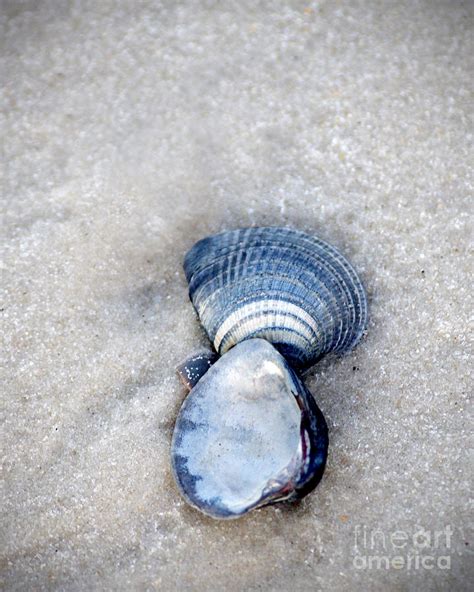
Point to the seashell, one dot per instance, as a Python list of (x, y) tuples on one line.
[(292, 289), (248, 434), (194, 367)]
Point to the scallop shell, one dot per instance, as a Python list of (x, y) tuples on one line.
[(292, 289), (248, 434)]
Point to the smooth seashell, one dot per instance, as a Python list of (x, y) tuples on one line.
[(294, 290), (248, 434)]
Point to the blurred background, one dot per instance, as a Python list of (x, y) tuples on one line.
[(130, 129)]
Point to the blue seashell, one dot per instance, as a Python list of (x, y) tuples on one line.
[(292, 289), (248, 434)]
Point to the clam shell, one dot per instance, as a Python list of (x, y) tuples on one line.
[(194, 367), (248, 434), (290, 288)]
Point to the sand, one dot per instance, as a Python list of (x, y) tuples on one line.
[(130, 130)]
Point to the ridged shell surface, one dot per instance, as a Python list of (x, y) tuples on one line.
[(292, 289)]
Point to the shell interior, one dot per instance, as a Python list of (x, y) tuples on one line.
[(248, 434)]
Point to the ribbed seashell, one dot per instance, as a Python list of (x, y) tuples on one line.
[(294, 290), (248, 434)]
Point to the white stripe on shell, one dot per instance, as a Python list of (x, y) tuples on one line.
[(281, 314)]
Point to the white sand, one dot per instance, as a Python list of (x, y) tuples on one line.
[(132, 129)]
